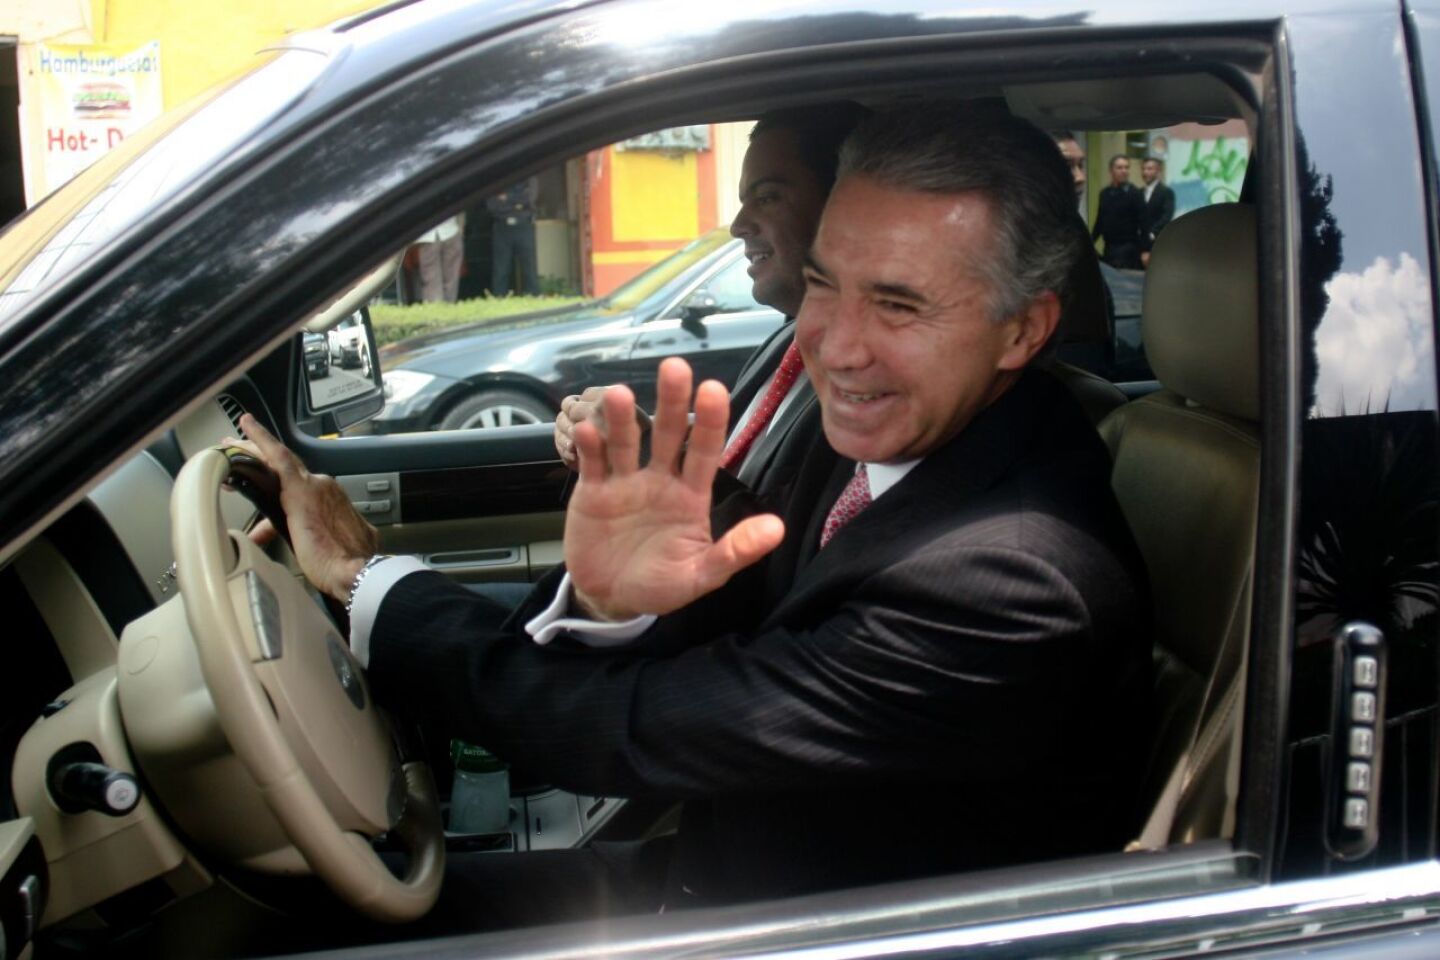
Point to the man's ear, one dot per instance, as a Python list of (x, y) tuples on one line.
[(1030, 330)]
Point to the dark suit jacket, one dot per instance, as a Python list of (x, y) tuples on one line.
[(1159, 210), (1119, 221), (958, 680)]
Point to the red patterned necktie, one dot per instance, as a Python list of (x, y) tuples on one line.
[(790, 366), (854, 498)]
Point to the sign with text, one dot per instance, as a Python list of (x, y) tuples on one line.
[(90, 98)]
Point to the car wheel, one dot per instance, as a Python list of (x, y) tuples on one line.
[(496, 408), (365, 362)]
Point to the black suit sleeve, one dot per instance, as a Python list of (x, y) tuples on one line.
[(965, 658), (1167, 212)]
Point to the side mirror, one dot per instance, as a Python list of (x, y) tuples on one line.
[(695, 309), (341, 379)]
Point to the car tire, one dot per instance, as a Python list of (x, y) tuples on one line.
[(496, 408), (365, 369)]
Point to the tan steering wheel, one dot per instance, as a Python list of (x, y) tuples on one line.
[(297, 711)]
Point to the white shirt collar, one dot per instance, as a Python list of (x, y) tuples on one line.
[(883, 476)]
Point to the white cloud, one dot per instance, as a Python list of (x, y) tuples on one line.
[(1375, 346)]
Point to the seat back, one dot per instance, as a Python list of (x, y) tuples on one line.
[(1086, 333), (1186, 472)]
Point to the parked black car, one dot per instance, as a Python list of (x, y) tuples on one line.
[(1291, 541), (696, 303), (317, 355)]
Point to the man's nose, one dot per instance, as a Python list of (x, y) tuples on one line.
[(742, 226), (843, 343)]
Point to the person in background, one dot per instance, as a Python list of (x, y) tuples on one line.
[(512, 234), (1074, 154), (438, 255), (787, 173), (1159, 204), (1121, 213)]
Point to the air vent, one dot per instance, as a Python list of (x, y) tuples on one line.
[(233, 410)]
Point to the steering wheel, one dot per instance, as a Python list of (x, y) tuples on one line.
[(297, 712)]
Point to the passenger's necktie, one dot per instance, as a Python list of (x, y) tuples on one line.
[(854, 498), (790, 366)]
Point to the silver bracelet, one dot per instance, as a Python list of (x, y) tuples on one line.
[(370, 564)]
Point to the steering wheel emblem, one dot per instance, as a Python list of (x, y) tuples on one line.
[(345, 671)]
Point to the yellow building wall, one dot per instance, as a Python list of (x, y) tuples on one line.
[(654, 195), (203, 42)]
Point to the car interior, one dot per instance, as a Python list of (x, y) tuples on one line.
[(104, 680)]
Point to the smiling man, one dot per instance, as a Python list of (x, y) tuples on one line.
[(786, 175), (944, 608)]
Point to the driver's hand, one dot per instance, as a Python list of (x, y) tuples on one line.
[(330, 539), (578, 408)]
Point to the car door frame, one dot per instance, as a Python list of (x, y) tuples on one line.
[(475, 165)]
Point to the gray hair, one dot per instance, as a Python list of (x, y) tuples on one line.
[(1039, 238)]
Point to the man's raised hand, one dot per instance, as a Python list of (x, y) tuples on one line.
[(637, 540)]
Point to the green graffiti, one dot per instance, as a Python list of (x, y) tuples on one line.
[(1219, 168)]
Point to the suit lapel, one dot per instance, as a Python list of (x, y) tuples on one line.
[(756, 374), (753, 469), (975, 460)]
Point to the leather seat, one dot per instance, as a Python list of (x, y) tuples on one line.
[(1186, 472)]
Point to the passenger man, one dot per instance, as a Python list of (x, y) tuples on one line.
[(945, 609), (1159, 204), (1074, 155), (785, 177), (1120, 217)]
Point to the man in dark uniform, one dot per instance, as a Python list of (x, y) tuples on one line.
[(1121, 217), (1159, 204)]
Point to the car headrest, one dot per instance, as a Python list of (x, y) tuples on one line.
[(1202, 309)]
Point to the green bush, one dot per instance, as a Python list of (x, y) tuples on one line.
[(394, 323)]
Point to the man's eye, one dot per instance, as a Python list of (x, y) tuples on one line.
[(896, 306), (815, 280)]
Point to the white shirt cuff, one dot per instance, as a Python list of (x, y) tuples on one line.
[(365, 605), (551, 621)]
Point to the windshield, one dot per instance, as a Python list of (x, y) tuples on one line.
[(634, 292), (72, 224)]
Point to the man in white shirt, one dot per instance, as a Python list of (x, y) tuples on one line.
[(945, 602)]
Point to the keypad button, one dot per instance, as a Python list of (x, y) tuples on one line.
[(1357, 813), (377, 486), (1367, 672), (1362, 742), (1362, 707), (1357, 778)]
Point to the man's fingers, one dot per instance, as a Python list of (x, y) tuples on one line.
[(245, 445), (262, 533), (622, 433), (590, 447), (272, 452), (672, 413), (745, 543), (707, 436)]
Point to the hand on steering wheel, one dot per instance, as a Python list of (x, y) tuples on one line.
[(295, 709)]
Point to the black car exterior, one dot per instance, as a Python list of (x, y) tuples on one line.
[(317, 355), (696, 304), (404, 117)]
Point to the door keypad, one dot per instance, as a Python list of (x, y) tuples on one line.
[(1356, 740)]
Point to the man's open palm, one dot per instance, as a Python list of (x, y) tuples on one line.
[(638, 540)]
